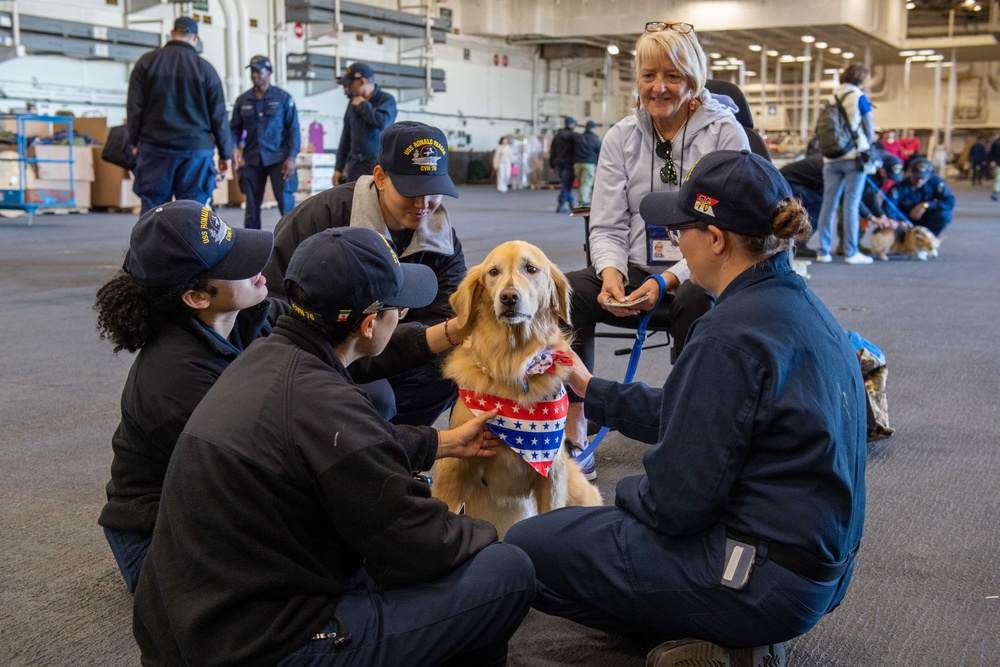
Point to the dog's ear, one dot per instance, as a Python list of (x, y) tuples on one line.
[(560, 293), (463, 301)]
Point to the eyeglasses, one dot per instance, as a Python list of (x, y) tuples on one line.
[(377, 307), (664, 151), (659, 26), (674, 232)]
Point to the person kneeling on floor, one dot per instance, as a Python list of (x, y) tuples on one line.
[(291, 527), (743, 528)]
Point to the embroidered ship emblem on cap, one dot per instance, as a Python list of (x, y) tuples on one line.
[(425, 153)]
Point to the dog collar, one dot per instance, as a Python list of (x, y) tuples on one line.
[(545, 362)]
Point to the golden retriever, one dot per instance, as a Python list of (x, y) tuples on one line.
[(917, 241), (513, 302)]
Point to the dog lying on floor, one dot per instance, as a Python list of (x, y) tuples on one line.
[(516, 358), (917, 241)]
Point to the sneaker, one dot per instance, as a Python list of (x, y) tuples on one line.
[(805, 252), (824, 259), (688, 653), (588, 466), (700, 653), (858, 258)]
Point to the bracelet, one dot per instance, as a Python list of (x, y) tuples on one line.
[(446, 336)]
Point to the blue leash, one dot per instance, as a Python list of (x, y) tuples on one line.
[(885, 199), (633, 361)]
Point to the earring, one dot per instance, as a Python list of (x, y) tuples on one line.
[(692, 104)]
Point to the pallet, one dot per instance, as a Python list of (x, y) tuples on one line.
[(131, 210)]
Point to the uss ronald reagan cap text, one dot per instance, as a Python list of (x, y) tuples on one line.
[(184, 239), (415, 155), (349, 271), (738, 191)]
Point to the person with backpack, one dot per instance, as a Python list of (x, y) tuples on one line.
[(845, 130)]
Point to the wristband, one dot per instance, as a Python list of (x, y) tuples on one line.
[(446, 336)]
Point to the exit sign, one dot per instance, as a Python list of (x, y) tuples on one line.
[(200, 5)]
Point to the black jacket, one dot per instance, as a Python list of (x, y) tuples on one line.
[(356, 205), (176, 101), (588, 148), (285, 482), (563, 149), (168, 378)]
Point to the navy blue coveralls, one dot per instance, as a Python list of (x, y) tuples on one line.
[(358, 150), (935, 193), (271, 124), (773, 456), (177, 119)]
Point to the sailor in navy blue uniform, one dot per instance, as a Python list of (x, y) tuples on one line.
[(265, 129)]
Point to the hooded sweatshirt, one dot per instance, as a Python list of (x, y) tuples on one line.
[(629, 169)]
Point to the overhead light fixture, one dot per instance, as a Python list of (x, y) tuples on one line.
[(907, 54), (977, 8), (968, 3), (821, 45), (773, 53), (835, 50), (847, 55), (919, 59), (732, 67), (755, 47), (787, 58), (803, 59), (936, 57), (911, 5), (714, 56), (613, 49), (749, 73), (720, 63), (925, 52), (808, 39), (717, 68), (832, 70)]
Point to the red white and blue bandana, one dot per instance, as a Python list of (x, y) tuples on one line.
[(534, 431)]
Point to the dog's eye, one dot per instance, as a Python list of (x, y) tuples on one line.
[(531, 268), (494, 272)]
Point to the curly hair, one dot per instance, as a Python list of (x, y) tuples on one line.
[(130, 315)]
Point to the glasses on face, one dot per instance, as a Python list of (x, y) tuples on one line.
[(659, 26), (664, 151), (674, 232)]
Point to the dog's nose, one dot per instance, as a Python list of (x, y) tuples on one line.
[(510, 297)]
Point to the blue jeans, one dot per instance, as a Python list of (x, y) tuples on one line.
[(129, 550), (162, 174), (841, 177), (600, 567), (566, 177), (465, 617), (252, 182)]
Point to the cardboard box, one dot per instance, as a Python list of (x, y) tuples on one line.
[(32, 128), (57, 192), (112, 186), (220, 197), (95, 126), (83, 162)]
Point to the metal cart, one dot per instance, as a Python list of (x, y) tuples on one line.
[(14, 190)]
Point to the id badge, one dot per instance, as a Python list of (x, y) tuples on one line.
[(658, 246), (737, 564)]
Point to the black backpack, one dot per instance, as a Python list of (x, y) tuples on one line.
[(833, 129)]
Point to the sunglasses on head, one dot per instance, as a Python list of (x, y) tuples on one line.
[(664, 151), (659, 26), (674, 232)]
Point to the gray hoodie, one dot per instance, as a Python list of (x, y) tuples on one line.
[(628, 170)]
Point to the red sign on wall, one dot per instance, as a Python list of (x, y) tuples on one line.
[(496, 58), (299, 30)]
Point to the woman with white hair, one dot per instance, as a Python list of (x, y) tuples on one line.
[(676, 121)]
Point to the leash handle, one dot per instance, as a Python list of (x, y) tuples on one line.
[(633, 360)]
